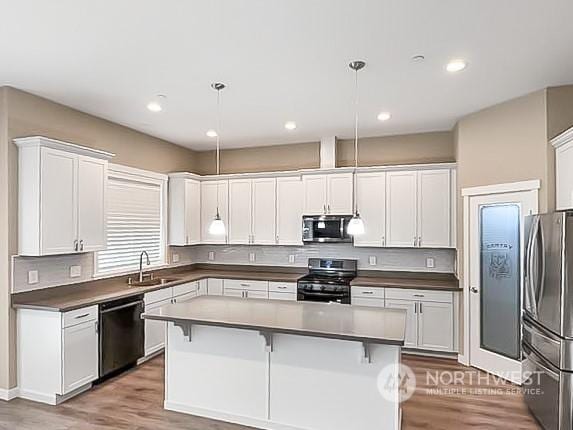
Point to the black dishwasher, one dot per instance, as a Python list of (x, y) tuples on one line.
[(121, 335)]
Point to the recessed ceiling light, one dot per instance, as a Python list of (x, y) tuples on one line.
[(156, 105), (384, 116), (456, 66), (211, 133), (290, 125)]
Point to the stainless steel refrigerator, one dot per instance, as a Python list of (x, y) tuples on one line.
[(547, 338)]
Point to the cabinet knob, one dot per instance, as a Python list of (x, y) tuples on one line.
[(81, 245), (474, 290), (328, 208), (75, 245)]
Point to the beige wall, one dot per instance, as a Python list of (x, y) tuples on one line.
[(261, 159), (24, 114), (559, 110), (404, 149)]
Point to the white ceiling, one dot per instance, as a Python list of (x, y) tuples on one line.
[(283, 60)]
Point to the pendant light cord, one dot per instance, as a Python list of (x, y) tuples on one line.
[(355, 141), (218, 144)]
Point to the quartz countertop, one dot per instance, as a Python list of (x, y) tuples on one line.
[(331, 320), (409, 280)]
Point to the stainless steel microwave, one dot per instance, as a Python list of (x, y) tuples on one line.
[(325, 228)]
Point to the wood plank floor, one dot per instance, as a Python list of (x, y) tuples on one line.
[(135, 401)]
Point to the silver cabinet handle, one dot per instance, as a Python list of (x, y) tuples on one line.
[(81, 245), (419, 241), (383, 240), (77, 317), (418, 295), (415, 307), (415, 240), (324, 209), (282, 287), (246, 294), (97, 327), (420, 307), (367, 292), (277, 238), (75, 245), (328, 208)]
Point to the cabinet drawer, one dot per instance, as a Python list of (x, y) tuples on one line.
[(185, 297), (246, 285), (282, 287), (364, 301), (158, 295), (367, 292), (423, 295), (79, 316), (189, 287)]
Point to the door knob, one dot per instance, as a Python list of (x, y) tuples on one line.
[(474, 290)]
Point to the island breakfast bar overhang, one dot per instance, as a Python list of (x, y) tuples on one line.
[(282, 365)]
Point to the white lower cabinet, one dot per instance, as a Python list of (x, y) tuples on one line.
[(411, 338), (154, 330), (214, 287), (246, 289), (282, 290), (58, 353)]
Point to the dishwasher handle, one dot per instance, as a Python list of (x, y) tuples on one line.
[(126, 305)]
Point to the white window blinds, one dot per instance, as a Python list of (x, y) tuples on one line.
[(134, 224)]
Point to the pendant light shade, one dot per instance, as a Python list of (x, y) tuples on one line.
[(217, 226), (356, 224)]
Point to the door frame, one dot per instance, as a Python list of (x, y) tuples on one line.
[(467, 193)]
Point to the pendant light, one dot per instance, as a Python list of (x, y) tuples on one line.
[(356, 225), (217, 227)]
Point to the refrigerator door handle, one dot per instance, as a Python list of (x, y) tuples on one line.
[(529, 288)]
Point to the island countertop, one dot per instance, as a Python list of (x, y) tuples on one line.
[(332, 320)]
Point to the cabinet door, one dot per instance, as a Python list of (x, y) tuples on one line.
[(401, 207), (80, 355), (435, 326), (154, 330), (339, 194), (314, 194), (411, 320), (264, 211), (203, 289), (240, 204), (371, 198), (564, 173), (92, 188), (192, 212), (289, 211), (434, 209), (58, 202), (257, 294), (215, 287), (209, 191), (185, 297)]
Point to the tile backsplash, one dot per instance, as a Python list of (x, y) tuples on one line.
[(55, 270)]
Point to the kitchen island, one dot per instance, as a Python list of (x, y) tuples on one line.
[(282, 365)]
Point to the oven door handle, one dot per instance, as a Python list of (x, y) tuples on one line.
[(117, 308), (306, 293)]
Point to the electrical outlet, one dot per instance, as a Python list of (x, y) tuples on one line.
[(75, 271), (252, 257), (291, 258), (372, 260), (211, 256), (430, 263), (175, 257), (33, 277)]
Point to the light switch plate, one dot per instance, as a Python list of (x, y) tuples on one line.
[(75, 271), (211, 256), (372, 260), (33, 277), (252, 257), (175, 257), (291, 258), (430, 263)]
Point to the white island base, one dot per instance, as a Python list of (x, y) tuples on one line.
[(278, 381)]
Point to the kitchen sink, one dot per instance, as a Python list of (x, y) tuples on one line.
[(150, 282)]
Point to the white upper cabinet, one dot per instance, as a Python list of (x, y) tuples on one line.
[(264, 211), (401, 216), (240, 204), (62, 197), (209, 192), (252, 211), (434, 209), (328, 194), (563, 145), (419, 208), (184, 211), (371, 199), (289, 210)]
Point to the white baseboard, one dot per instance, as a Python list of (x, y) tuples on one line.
[(10, 394), (230, 418), (36, 396), (433, 354)]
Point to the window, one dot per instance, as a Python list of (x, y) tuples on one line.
[(136, 220)]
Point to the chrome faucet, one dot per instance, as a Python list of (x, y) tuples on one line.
[(141, 264)]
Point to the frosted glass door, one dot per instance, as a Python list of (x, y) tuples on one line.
[(500, 279)]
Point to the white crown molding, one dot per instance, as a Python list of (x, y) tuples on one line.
[(41, 141), (563, 138), (513, 187)]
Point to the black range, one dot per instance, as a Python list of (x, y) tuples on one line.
[(328, 280)]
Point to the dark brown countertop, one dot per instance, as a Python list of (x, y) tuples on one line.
[(331, 320), (411, 280), (69, 297)]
